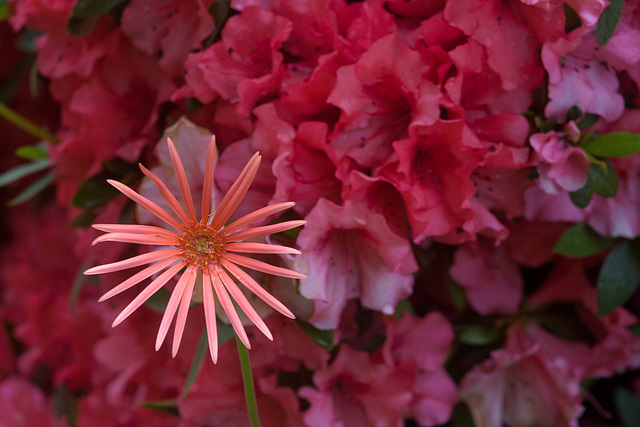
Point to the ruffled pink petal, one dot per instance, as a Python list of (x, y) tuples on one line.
[(166, 194), (139, 277), (258, 290), (207, 185), (146, 203), (153, 287), (236, 193), (230, 310), (210, 315), (257, 215), (131, 262), (172, 306), (241, 300), (183, 310), (260, 248), (265, 230), (136, 229), (254, 264), (182, 180), (140, 239)]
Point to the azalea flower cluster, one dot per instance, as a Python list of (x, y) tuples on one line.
[(462, 247)]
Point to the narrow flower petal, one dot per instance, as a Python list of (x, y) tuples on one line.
[(166, 194), (140, 239), (210, 315), (264, 230), (254, 264), (248, 281), (183, 310), (139, 277), (132, 262), (230, 310), (256, 216), (136, 229), (207, 185), (236, 193), (172, 306), (242, 302), (183, 183), (146, 203), (260, 248), (153, 287)]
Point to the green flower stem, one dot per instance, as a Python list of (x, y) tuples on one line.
[(249, 390), (26, 124)]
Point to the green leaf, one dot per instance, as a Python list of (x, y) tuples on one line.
[(619, 276), (604, 181), (571, 19), (76, 288), (588, 120), (159, 300), (608, 21), (458, 296), (85, 219), (65, 404), (618, 144), (567, 321), (32, 152), (196, 364), (403, 306), (581, 241), (4, 10), (225, 333), (170, 406), (23, 170), (627, 407), (574, 113), (33, 189), (324, 338), (96, 191), (461, 416), (220, 10), (89, 8), (86, 14), (479, 335), (582, 197)]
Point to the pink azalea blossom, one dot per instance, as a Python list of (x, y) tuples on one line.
[(512, 51), (207, 248), (486, 270), (615, 347), (170, 28), (245, 66), (356, 391), (303, 170), (579, 79), (23, 405), (351, 252), (522, 385), (380, 96), (432, 171), (434, 392), (561, 166), (619, 216)]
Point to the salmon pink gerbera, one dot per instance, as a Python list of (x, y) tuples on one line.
[(207, 250)]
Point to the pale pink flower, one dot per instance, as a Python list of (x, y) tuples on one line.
[(207, 250)]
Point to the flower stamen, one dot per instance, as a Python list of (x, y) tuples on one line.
[(201, 246)]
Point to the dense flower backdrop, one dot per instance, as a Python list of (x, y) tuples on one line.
[(469, 175)]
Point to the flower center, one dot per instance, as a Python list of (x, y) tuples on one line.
[(201, 246)]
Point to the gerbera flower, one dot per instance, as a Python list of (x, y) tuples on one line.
[(205, 252)]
